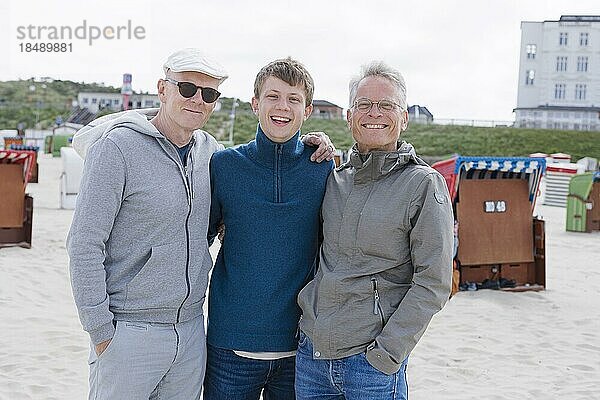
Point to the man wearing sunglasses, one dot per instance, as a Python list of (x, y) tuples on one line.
[(138, 245), (138, 252)]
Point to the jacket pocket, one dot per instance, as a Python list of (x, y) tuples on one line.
[(200, 264), (361, 314), (377, 310), (391, 292), (160, 283)]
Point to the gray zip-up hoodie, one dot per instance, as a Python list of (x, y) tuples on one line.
[(386, 260), (137, 244)]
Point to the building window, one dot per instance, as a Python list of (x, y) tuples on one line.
[(94, 100), (85, 100), (529, 77), (559, 90), (580, 91), (584, 38), (562, 38), (582, 64), (531, 50), (116, 102), (561, 63)]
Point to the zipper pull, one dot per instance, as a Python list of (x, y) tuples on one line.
[(375, 296)]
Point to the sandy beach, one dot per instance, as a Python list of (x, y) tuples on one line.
[(482, 345)]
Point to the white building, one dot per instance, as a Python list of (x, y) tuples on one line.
[(419, 115), (559, 74), (95, 101)]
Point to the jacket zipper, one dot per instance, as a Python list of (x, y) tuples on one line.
[(376, 301), (189, 189), (190, 193), (279, 151)]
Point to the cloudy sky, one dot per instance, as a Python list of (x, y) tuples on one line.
[(459, 58)]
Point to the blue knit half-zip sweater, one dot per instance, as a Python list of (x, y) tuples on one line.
[(269, 197)]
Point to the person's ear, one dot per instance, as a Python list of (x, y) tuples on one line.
[(160, 86), (307, 111), (349, 118), (404, 125), (254, 104)]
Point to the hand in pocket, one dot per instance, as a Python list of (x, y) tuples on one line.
[(100, 347)]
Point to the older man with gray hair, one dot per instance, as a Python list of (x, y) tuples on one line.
[(138, 252), (386, 260)]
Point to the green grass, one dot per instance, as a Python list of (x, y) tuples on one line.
[(442, 140), (19, 104)]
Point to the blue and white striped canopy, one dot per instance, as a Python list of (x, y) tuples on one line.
[(502, 164), (533, 167)]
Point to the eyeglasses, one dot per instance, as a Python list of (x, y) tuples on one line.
[(188, 89), (365, 105)]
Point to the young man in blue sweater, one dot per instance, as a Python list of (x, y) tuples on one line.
[(268, 194)]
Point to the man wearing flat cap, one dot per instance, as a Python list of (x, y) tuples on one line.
[(138, 252)]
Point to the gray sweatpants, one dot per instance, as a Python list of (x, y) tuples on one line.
[(150, 361)]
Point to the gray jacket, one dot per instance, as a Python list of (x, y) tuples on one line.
[(137, 243), (386, 260)]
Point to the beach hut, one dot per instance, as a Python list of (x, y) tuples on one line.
[(500, 243), (16, 207), (583, 203)]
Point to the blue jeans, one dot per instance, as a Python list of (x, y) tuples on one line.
[(347, 378), (229, 376)]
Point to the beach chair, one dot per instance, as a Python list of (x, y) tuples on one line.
[(500, 242), (16, 207), (70, 178), (583, 203)]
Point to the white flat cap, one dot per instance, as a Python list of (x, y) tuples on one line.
[(194, 60)]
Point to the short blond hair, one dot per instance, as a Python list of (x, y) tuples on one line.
[(291, 72)]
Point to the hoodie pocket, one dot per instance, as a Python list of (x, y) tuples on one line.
[(161, 281), (200, 265)]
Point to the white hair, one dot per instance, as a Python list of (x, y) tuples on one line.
[(379, 68)]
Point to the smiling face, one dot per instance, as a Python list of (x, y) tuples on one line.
[(281, 109), (374, 129), (186, 113)]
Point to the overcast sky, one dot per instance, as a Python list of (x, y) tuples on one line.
[(459, 58)]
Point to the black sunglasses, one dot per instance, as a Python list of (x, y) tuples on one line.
[(188, 89)]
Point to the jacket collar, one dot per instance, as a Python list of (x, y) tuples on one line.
[(266, 152), (377, 164)]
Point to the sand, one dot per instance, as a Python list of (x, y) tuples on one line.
[(482, 345)]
